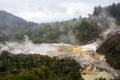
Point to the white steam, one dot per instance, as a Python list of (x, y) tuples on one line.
[(109, 24), (92, 46), (27, 47), (87, 58)]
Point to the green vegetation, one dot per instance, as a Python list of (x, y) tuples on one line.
[(10, 24), (111, 48), (37, 67), (88, 30), (75, 32), (3, 37), (111, 10), (101, 79), (45, 34)]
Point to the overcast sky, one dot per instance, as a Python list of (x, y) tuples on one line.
[(51, 10)]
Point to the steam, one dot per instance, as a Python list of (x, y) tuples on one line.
[(65, 29), (92, 46), (88, 58), (108, 24), (109, 29), (27, 47), (68, 38)]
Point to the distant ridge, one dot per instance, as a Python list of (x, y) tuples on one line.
[(10, 23)]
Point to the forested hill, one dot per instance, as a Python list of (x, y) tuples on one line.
[(77, 30), (112, 10), (10, 23)]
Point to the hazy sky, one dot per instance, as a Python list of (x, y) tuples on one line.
[(51, 10)]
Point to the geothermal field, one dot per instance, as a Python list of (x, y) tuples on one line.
[(94, 65)]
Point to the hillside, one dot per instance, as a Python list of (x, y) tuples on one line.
[(111, 48), (76, 31), (11, 24), (112, 10)]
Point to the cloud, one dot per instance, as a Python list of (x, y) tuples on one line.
[(51, 10)]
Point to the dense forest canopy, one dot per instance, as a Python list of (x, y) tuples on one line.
[(37, 67), (111, 10)]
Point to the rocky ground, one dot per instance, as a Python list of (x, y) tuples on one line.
[(93, 64)]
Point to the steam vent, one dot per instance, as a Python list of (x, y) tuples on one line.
[(94, 65), (59, 39)]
